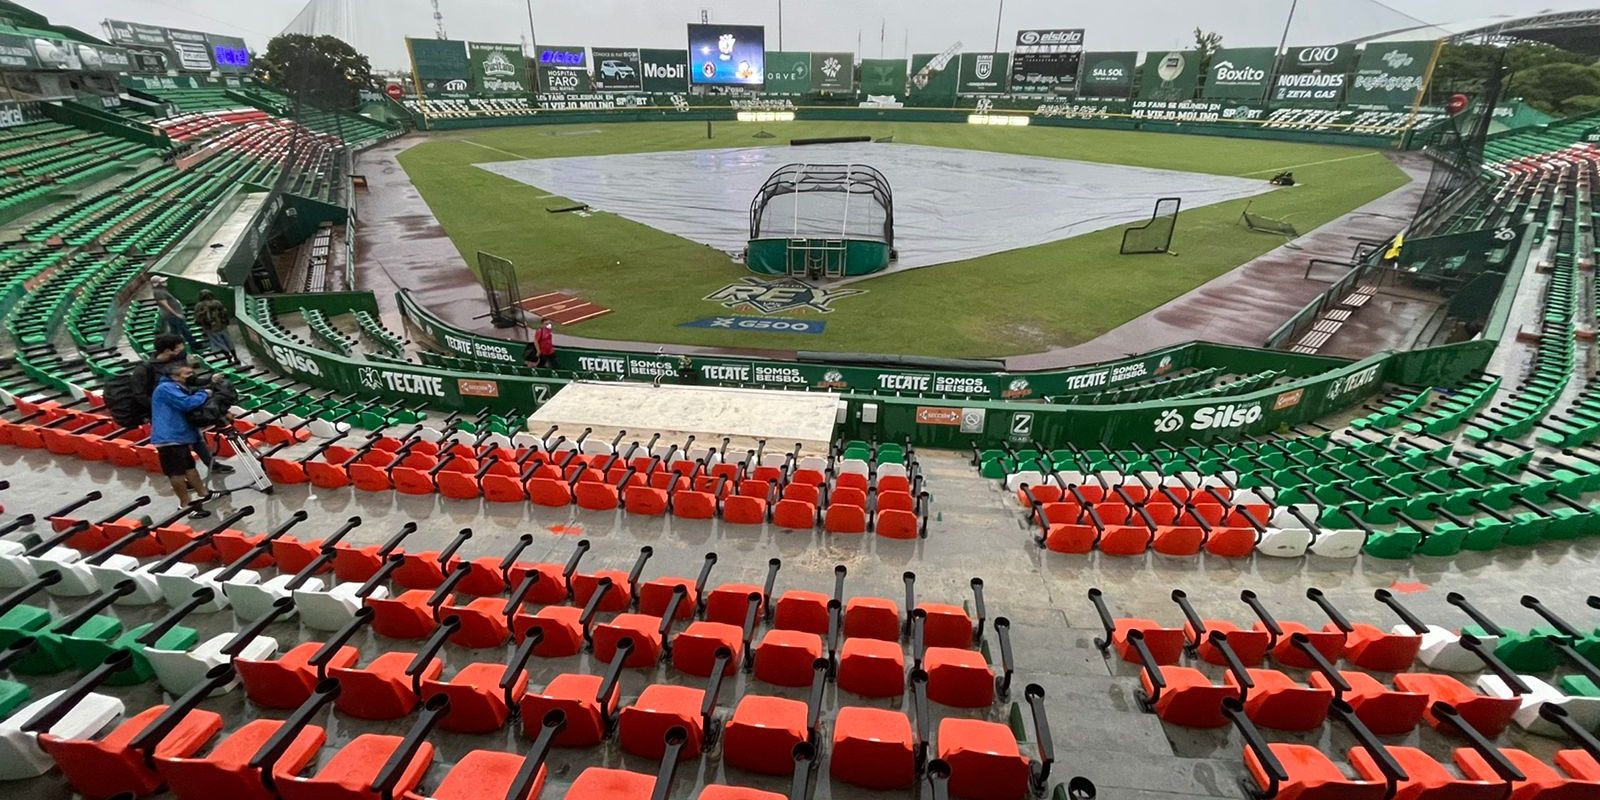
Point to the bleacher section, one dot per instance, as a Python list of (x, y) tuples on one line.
[(327, 626), (1471, 683), (43, 158), (1428, 471)]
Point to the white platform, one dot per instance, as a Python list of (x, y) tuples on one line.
[(746, 416)]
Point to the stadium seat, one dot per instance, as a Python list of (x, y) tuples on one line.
[(642, 725), (588, 702)]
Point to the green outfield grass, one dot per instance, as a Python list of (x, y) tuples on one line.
[(1026, 300)]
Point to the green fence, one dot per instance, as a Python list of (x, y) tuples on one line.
[(822, 375), (997, 407), (955, 423)]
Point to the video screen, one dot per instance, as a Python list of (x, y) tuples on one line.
[(727, 55)]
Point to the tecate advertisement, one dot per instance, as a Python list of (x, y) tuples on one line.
[(727, 55)]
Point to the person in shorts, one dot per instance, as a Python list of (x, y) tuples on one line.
[(174, 437)]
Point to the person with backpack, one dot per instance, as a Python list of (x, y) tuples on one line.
[(174, 437), (127, 395), (170, 351), (212, 317), (171, 312)]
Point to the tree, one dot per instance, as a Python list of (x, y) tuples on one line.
[(1538, 72), (319, 70), (1206, 45), (1557, 87), (1582, 104)]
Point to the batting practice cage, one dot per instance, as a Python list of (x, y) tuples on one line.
[(822, 221)]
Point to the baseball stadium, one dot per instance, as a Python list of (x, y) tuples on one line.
[(1097, 412)]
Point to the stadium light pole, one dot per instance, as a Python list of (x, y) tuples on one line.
[(780, 24), (997, 17), (1284, 42), (533, 37)]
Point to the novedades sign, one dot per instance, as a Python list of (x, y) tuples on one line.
[(1313, 76)]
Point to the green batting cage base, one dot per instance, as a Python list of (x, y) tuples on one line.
[(817, 258)]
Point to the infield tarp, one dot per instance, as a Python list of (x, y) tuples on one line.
[(949, 204)]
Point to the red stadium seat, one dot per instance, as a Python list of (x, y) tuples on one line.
[(873, 748)]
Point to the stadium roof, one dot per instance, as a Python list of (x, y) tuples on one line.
[(26, 22), (1578, 31)]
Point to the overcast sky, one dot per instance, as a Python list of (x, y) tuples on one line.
[(377, 27)]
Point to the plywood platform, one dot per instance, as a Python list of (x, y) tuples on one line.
[(745, 416)]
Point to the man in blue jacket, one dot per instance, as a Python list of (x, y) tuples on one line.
[(174, 437)]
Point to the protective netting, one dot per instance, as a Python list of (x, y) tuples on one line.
[(1154, 236)]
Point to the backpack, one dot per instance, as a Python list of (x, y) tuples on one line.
[(215, 410), (127, 396), (211, 316)]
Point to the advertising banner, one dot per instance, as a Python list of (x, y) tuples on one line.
[(727, 55), (562, 69), (883, 76), (440, 66), (787, 73), (834, 73), (1392, 74), (194, 54), (664, 71), (933, 77), (17, 53), (1108, 74), (100, 58), (1170, 75), (984, 73), (161, 49), (561, 57), (498, 69), (1240, 73), (617, 69), (1047, 61), (229, 53), (1313, 77)]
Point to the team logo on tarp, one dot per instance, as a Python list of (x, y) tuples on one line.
[(370, 379), (1017, 388), (776, 297)]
